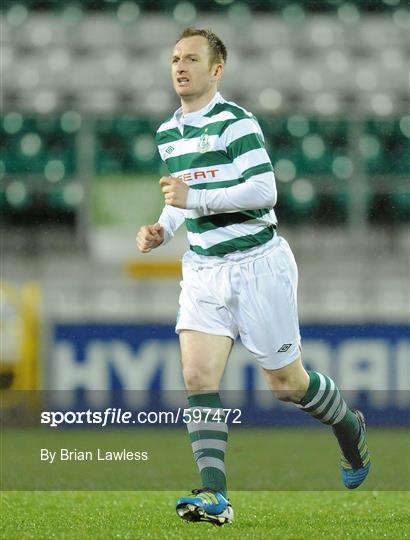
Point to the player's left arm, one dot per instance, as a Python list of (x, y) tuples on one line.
[(245, 145)]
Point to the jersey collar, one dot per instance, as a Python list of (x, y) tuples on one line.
[(189, 117)]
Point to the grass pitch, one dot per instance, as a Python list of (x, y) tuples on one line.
[(151, 515), (297, 459)]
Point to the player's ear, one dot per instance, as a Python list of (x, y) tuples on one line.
[(217, 70)]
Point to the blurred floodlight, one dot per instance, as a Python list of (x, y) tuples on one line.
[(185, 13), (128, 12), (16, 193), (302, 190), (311, 80), (165, 57), (391, 2), (321, 34), (326, 103), (70, 121), (401, 18), (158, 100), (285, 170), (405, 125), (72, 15), (28, 77), (144, 147), (115, 62), (382, 104), (298, 125), (239, 13), (30, 144), (2, 170), (313, 146), (392, 59), (348, 13), (142, 77), (369, 146), (223, 2), (54, 170), (45, 102), (282, 59), (270, 99), (17, 14), (6, 57), (342, 167), (59, 60), (101, 100), (73, 193), (12, 122), (337, 61), (366, 79), (41, 35), (293, 14)]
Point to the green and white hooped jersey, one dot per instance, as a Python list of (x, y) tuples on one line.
[(218, 147)]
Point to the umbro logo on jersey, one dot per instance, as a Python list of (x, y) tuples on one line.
[(285, 347), (169, 150)]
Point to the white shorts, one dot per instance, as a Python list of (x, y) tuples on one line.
[(254, 296)]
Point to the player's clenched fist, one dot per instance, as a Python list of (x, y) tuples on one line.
[(175, 191), (150, 237)]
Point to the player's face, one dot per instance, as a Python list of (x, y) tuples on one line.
[(192, 76)]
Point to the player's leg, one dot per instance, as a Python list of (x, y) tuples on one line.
[(204, 358), (318, 395), (271, 332)]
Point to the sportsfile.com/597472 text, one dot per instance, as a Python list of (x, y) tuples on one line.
[(113, 416)]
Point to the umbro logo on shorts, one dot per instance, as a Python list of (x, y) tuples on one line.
[(285, 347)]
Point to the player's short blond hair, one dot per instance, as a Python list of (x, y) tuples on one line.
[(217, 50)]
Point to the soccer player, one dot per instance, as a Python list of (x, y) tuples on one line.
[(239, 276)]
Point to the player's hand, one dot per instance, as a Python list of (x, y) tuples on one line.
[(150, 237), (175, 191)]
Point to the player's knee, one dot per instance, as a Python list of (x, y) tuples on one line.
[(288, 390), (196, 379)]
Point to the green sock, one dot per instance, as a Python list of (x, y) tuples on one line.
[(324, 402), (208, 439)]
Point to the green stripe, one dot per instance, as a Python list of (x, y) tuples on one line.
[(195, 160), (237, 244), (211, 452), (208, 223), (208, 434), (216, 185), (324, 395), (336, 396), (168, 136), (213, 128), (252, 141), (257, 169), (226, 107)]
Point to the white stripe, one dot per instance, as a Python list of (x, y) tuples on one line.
[(251, 159), (190, 146), (198, 122), (204, 444), (328, 398), (210, 426), (333, 408), (242, 127), (341, 415), (170, 124), (319, 394), (230, 232), (210, 462)]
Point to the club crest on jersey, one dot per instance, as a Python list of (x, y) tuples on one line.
[(204, 142)]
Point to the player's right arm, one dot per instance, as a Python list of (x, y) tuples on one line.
[(149, 237)]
